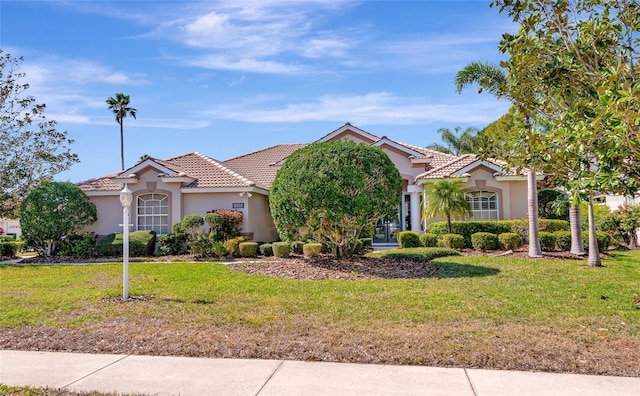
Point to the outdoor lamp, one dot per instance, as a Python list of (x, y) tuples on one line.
[(125, 199)]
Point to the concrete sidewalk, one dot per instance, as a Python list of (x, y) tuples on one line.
[(155, 375)]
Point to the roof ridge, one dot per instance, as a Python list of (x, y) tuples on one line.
[(450, 163), (225, 168), (348, 124), (419, 148)]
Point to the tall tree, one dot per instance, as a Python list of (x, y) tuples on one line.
[(52, 211), (580, 61), (120, 108), (445, 198), (332, 191), (493, 79), (455, 142), (32, 150)]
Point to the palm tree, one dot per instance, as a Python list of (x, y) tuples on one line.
[(456, 143), (120, 107), (445, 197), (493, 79)]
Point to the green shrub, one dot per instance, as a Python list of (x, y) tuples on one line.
[(367, 243), (281, 249), (468, 228), (206, 247), (484, 241), (311, 249), (172, 244), (248, 249), (452, 241), (233, 243), (563, 240), (553, 225), (79, 246), (547, 241), (428, 240), (604, 240), (7, 238), (266, 249), (408, 239), (358, 246), (10, 248), (296, 247), (420, 254), (141, 243), (509, 240), (230, 225)]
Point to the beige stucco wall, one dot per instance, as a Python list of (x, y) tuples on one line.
[(261, 222), (109, 212), (518, 200)]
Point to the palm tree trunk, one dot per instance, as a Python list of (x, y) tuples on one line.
[(594, 254), (122, 143), (532, 202), (576, 231)]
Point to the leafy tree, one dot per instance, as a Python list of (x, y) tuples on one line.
[(332, 191), (518, 148), (456, 143), (52, 211), (32, 150), (623, 225), (446, 198), (579, 60), (120, 108)]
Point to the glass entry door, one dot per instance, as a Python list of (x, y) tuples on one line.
[(386, 229)]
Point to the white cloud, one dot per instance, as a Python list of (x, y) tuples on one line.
[(373, 108), (221, 62)]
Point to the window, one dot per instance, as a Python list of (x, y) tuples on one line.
[(484, 205), (153, 213)]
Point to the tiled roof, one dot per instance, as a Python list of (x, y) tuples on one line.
[(207, 172), (261, 166), (450, 168), (437, 158)]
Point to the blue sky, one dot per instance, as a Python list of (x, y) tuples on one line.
[(229, 77)]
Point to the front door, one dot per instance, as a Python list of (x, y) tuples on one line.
[(386, 230)]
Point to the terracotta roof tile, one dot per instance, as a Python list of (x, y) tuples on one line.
[(261, 166), (208, 172)]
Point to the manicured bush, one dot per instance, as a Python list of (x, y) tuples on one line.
[(509, 240), (549, 225), (232, 245), (563, 240), (248, 249), (420, 254), (428, 240), (141, 243), (266, 249), (604, 240), (484, 241), (452, 241), (10, 249), (366, 242), (281, 249), (296, 247), (468, 228), (229, 227), (408, 239), (311, 249), (547, 241), (172, 244), (79, 246), (206, 247)]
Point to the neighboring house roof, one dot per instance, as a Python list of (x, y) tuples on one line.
[(262, 165)]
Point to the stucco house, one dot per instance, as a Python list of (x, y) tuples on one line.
[(165, 190)]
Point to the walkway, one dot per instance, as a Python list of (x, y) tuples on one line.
[(154, 375)]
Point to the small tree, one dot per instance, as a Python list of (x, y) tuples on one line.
[(332, 190), (54, 210), (446, 198)]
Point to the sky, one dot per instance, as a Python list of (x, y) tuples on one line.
[(226, 78)]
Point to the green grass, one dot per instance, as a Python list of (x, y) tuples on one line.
[(466, 288), (546, 314)]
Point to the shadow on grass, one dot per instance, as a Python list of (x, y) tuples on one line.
[(455, 270)]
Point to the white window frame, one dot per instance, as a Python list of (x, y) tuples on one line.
[(484, 205), (156, 216)]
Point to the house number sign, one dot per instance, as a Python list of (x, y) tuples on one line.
[(237, 205)]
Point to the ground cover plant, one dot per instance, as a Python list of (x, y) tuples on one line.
[(469, 311)]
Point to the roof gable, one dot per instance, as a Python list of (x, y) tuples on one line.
[(348, 129)]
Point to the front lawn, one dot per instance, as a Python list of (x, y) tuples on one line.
[(490, 312)]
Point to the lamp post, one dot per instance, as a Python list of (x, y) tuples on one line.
[(125, 199)]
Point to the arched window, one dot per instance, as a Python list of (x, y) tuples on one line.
[(153, 213), (484, 204)]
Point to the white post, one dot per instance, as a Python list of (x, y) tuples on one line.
[(414, 203), (125, 198)]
